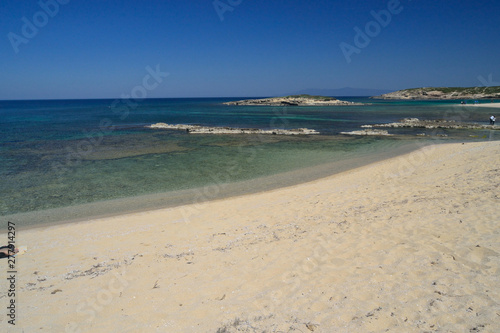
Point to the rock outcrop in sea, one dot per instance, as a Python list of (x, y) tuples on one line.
[(368, 132), (294, 100), (439, 123), (417, 123), (195, 129)]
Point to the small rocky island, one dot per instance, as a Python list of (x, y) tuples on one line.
[(294, 100), (444, 93), (196, 129)]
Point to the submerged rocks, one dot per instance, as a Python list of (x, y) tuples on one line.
[(195, 129)]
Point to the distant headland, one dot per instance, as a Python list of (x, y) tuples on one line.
[(444, 93), (294, 100)]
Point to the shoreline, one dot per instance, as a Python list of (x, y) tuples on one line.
[(173, 199), (407, 243), (485, 105)]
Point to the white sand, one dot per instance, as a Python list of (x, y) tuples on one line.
[(410, 244), (486, 105)]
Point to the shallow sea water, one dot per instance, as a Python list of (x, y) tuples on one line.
[(67, 160)]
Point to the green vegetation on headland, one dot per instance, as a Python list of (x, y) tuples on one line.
[(444, 93), (461, 90)]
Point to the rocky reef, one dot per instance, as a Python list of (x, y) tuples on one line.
[(440, 123), (417, 123), (444, 93), (195, 129), (368, 132), (294, 100)]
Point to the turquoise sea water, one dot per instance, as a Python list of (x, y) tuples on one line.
[(96, 156)]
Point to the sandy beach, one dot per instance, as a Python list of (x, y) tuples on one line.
[(486, 105), (409, 244)]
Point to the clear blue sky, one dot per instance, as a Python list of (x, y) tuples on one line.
[(100, 49)]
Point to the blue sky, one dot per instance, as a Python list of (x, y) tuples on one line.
[(101, 49)]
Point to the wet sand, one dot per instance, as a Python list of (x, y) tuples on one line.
[(222, 186)]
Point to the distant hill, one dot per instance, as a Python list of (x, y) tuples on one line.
[(444, 93), (343, 92)]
